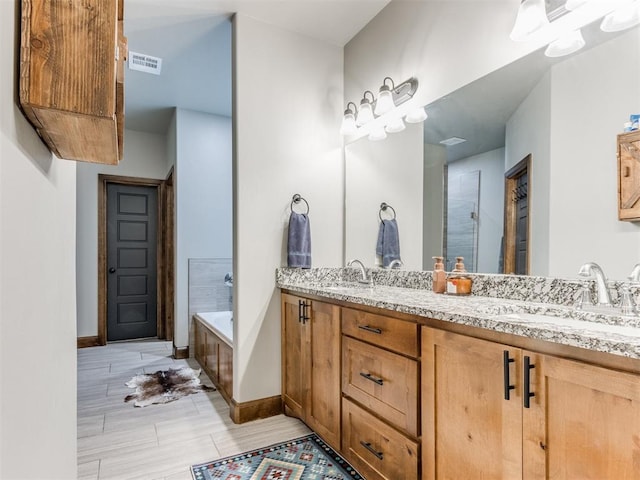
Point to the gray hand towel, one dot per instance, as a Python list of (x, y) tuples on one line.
[(388, 245), (299, 241)]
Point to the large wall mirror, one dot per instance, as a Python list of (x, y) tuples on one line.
[(550, 125)]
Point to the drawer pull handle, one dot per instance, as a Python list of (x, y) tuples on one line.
[(507, 382), (370, 329), (368, 446), (528, 394), (368, 376)]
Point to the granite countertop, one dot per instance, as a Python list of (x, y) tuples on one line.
[(607, 332)]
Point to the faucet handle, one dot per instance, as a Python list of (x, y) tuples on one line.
[(585, 296), (627, 303)]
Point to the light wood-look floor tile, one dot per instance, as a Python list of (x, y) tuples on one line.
[(119, 441)]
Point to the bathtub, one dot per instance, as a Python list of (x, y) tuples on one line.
[(221, 323)]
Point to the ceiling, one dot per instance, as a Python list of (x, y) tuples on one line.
[(193, 38)]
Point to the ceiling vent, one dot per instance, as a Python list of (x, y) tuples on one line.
[(453, 141), (145, 63)]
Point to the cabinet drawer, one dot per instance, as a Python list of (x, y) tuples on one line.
[(374, 448), (385, 382), (387, 332)]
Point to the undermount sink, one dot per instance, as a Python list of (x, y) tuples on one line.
[(537, 318)]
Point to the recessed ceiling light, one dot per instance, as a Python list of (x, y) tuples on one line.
[(453, 141)]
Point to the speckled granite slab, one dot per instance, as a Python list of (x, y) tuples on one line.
[(532, 307)]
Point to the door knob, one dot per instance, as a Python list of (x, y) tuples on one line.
[(112, 270)]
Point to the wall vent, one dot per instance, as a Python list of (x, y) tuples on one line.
[(145, 63)]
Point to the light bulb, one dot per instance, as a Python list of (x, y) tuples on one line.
[(377, 133), (622, 18), (396, 125), (385, 101), (566, 44), (365, 114), (532, 16), (416, 115), (348, 126)]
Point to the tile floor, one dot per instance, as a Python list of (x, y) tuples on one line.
[(119, 441)]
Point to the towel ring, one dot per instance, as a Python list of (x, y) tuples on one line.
[(383, 207), (296, 199)]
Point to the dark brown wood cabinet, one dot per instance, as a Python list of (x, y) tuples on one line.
[(311, 364), (72, 76)]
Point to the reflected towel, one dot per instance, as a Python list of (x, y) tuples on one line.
[(299, 241), (388, 245)]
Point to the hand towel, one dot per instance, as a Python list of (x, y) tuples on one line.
[(299, 241), (388, 245)]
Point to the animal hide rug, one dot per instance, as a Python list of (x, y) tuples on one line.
[(165, 386)]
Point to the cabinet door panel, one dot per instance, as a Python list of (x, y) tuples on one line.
[(293, 359), (225, 372), (323, 403), (469, 430), (584, 422)]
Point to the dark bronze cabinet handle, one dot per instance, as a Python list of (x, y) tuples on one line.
[(299, 310), (507, 383), (528, 394), (368, 446), (370, 329), (305, 305), (368, 376)]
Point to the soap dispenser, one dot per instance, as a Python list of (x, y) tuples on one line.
[(439, 276), (458, 283)]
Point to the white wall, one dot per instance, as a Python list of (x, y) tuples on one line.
[(491, 210), (528, 131), (203, 186), (390, 171), (37, 290), (287, 112), (445, 44), (144, 156), (584, 208)]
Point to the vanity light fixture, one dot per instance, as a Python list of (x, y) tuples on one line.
[(560, 27), (365, 114), (376, 117)]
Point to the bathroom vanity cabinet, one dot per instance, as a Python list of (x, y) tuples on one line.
[(311, 364), (513, 413), (629, 176), (72, 76), (430, 399), (216, 358)]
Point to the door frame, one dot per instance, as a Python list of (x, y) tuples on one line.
[(168, 253), (103, 181), (510, 213)]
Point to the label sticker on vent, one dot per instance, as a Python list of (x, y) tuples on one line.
[(145, 63)]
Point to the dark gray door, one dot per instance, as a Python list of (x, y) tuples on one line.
[(132, 222), (522, 225)]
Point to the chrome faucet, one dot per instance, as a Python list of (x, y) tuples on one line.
[(395, 262), (593, 270), (635, 273), (365, 278)]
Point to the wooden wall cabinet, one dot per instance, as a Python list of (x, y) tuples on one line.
[(72, 57), (580, 421), (629, 176), (311, 365)]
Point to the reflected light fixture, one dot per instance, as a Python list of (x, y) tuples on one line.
[(349, 126), (365, 114), (532, 16), (566, 44), (376, 117)]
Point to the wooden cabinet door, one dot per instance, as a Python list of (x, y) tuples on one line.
[(211, 356), (294, 340), (225, 370), (323, 390), (583, 422), (469, 429)]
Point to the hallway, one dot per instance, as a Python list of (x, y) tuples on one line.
[(118, 441)]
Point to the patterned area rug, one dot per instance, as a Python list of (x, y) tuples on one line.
[(304, 458)]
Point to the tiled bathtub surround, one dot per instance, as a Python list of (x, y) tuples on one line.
[(494, 298)]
